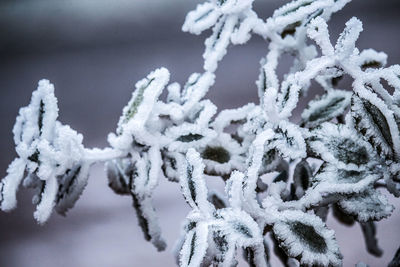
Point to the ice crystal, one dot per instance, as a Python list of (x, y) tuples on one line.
[(281, 177)]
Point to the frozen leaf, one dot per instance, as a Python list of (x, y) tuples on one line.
[(187, 136), (240, 230), (318, 31), (288, 141), (71, 186), (202, 113), (302, 178), (46, 201), (392, 181), (39, 118), (217, 43), (367, 206), (118, 175), (192, 182), (256, 256), (234, 189), (223, 155), (240, 226), (148, 168), (270, 161), (369, 232), (293, 7), (135, 115), (47, 151), (233, 6), (288, 98), (371, 59), (256, 153), (170, 165), (341, 216), (174, 93), (268, 77), (218, 154), (330, 183), (374, 120), (242, 32), (148, 221), (138, 177), (231, 116), (280, 253), (221, 248), (290, 19), (195, 246), (305, 237), (340, 146), (346, 43), (217, 199), (203, 17), (326, 108), (144, 97), (196, 88), (9, 185), (143, 177)]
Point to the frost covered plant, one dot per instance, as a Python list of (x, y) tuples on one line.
[(282, 177)]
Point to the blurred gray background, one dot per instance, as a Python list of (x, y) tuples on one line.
[(94, 51)]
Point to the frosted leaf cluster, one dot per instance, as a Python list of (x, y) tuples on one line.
[(282, 177)]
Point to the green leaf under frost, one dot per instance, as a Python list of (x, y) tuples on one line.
[(326, 108), (133, 108), (369, 205), (340, 146), (348, 151), (305, 237), (293, 7), (308, 236), (290, 29), (288, 141), (118, 176), (192, 182), (374, 120), (189, 138), (195, 246), (379, 120), (218, 154), (242, 229), (191, 185), (71, 186), (301, 178)]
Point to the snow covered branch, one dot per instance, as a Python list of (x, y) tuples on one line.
[(281, 177)]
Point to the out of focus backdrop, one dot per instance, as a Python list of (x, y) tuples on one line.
[(94, 51)]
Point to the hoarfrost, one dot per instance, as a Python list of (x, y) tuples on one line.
[(281, 178)]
